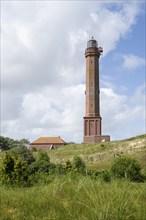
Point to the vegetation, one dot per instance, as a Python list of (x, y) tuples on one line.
[(75, 197), (34, 187), (125, 167), (8, 143), (100, 156)]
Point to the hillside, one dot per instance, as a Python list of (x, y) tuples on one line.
[(99, 156)]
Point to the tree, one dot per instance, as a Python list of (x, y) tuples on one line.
[(8, 143), (4, 143), (126, 167)]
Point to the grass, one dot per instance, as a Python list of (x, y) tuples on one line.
[(136, 137), (100, 155), (76, 197), (79, 198)]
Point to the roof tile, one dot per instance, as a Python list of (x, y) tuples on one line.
[(48, 140)]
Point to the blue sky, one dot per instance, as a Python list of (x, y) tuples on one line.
[(43, 67), (133, 43)]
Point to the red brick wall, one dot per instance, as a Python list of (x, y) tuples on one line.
[(96, 139)]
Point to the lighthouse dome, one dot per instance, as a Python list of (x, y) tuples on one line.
[(92, 43)]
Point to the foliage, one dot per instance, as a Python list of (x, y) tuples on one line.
[(42, 155), (68, 166), (105, 176), (23, 152), (13, 170), (39, 166), (8, 143), (78, 164), (126, 167), (20, 175), (20, 167), (7, 168)]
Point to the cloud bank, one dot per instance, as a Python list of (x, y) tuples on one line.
[(43, 67)]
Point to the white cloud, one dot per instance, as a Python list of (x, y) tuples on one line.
[(43, 65), (123, 115), (51, 112), (61, 114), (132, 61)]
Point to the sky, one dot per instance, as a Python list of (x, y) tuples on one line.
[(43, 67)]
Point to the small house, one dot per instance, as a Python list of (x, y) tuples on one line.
[(47, 143)]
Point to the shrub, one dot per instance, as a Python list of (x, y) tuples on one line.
[(13, 170), (39, 166), (23, 152), (78, 165), (67, 166), (126, 167), (42, 155), (20, 175), (105, 176), (7, 168)]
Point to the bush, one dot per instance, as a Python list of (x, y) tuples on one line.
[(105, 176), (23, 152), (20, 175), (126, 167), (39, 166), (42, 155), (7, 168), (78, 165), (13, 170)]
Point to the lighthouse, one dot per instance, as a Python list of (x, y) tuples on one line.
[(92, 119)]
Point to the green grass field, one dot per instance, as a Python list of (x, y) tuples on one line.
[(99, 156), (75, 198)]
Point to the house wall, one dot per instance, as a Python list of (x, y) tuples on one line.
[(45, 146)]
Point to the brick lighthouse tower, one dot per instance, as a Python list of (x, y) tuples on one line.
[(92, 119)]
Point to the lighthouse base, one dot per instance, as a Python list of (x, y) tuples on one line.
[(96, 139)]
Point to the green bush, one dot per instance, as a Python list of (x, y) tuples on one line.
[(67, 166), (42, 155), (7, 168), (126, 167), (23, 152), (39, 166), (13, 170), (105, 176), (78, 165)]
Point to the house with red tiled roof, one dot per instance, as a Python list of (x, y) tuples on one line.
[(47, 143)]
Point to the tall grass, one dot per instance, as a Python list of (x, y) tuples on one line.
[(75, 198)]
